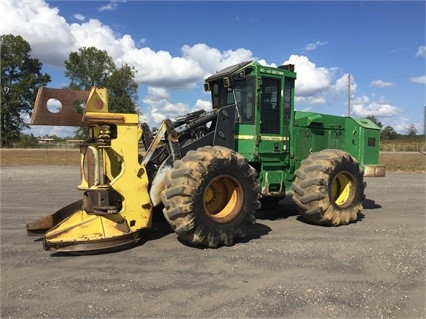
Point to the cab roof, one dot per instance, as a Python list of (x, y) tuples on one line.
[(227, 71)]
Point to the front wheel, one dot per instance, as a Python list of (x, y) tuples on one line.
[(211, 196), (329, 188)]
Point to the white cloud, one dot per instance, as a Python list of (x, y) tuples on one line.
[(318, 100), (153, 68), (159, 107), (203, 105), (79, 17), (340, 87), (43, 27), (211, 59), (158, 93), (299, 100), (419, 79), (310, 78), (421, 51), (161, 69), (319, 86), (381, 83), (111, 6), (363, 107), (313, 45)]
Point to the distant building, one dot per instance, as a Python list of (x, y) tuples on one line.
[(45, 140)]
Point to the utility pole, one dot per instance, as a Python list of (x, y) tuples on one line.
[(349, 95)]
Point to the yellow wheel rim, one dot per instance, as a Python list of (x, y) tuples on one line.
[(223, 199), (342, 189)]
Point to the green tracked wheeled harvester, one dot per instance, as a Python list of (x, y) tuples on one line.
[(209, 171)]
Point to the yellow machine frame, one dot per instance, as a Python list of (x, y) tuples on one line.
[(108, 165)]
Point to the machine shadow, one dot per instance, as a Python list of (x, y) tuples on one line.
[(370, 204), (360, 217), (285, 209), (256, 231)]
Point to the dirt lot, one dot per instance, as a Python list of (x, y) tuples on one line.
[(374, 268)]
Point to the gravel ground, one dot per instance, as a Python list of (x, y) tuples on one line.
[(374, 268)]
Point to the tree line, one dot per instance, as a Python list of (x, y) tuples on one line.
[(389, 133), (21, 77)]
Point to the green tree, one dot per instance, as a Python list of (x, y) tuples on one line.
[(388, 133), (21, 77), (28, 140), (411, 130), (122, 90), (93, 67), (88, 67)]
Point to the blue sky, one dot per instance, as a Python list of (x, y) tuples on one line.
[(175, 45)]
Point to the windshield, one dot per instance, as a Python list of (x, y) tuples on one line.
[(245, 93)]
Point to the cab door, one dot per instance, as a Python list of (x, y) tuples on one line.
[(273, 137)]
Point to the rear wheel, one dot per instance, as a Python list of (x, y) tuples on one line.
[(329, 188), (211, 196)]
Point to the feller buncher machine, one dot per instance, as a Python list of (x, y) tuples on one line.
[(208, 171)]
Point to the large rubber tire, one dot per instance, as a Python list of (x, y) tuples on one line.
[(329, 188), (211, 196)]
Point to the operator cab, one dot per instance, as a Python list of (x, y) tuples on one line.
[(264, 104), (229, 87)]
